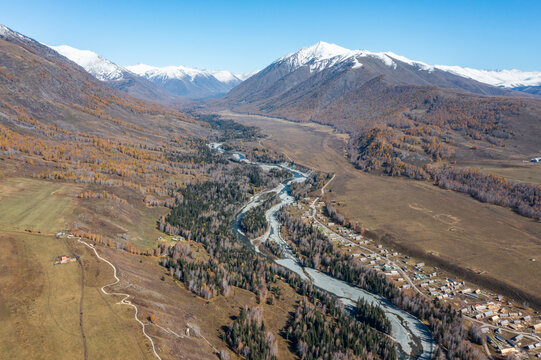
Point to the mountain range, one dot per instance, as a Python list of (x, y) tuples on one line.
[(154, 83), (188, 82), (173, 82)]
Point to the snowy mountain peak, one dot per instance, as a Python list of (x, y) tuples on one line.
[(96, 65), (323, 55), (319, 51), (182, 73), (318, 56)]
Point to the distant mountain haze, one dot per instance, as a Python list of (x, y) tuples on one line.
[(188, 82)]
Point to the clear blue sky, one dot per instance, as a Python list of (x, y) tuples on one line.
[(244, 36)]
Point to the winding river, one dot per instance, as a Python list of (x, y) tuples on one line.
[(413, 338)]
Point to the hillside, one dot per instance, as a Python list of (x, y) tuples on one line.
[(58, 121)]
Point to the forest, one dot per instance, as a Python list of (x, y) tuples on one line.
[(318, 335), (227, 129), (254, 222), (248, 337), (315, 181)]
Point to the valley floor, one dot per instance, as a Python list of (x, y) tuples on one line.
[(483, 243)]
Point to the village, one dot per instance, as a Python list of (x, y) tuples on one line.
[(512, 328)]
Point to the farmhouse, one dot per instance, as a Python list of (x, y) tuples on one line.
[(64, 259)]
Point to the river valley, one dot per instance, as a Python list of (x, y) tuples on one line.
[(413, 338)]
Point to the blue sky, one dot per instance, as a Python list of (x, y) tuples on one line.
[(244, 36)]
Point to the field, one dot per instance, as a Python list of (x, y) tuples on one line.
[(47, 310), (482, 243), (40, 205), (41, 303)]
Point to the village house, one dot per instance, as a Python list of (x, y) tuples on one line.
[(64, 259)]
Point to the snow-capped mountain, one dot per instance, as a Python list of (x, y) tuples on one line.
[(153, 83), (98, 66), (189, 82), (114, 75), (323, 55), (504, 78), (325, 81)]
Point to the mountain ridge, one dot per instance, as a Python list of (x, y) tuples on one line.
[(323, 55), (189, 82), (163, 84)]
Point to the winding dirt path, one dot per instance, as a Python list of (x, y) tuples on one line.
[(124, 300)]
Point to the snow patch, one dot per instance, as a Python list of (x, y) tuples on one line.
[(381, 56), (356, 64), (418, 64)]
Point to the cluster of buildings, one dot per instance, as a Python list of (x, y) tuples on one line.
[(513, 331), (508, 330)]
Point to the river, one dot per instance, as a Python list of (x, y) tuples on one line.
[(413, 338)]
